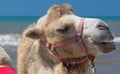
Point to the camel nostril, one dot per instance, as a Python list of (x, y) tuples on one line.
[(63, 29), (103, 27)]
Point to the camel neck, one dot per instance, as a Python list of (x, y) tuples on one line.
[(72, 69)]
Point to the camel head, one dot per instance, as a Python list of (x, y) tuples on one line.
[(61, 23)]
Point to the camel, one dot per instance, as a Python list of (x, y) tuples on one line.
[(4, 58), (6, 66), (62, 43)]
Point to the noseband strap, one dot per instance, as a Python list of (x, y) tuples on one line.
[(77, 38)]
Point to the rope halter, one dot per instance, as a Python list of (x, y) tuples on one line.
[(77, 39)]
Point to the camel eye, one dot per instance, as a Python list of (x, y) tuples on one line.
[(63, 29), (102, 27)]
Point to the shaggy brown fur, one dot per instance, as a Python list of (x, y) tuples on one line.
[(36, 59)]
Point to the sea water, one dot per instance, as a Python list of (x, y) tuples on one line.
[(11, 28)]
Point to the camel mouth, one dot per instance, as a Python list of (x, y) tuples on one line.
[(106, 47), (106, 43), (103, 43)]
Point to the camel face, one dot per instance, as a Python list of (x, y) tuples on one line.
[(60, 24), (96, 35)]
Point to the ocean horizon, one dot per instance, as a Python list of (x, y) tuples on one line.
[(34, 18), (11, 28), (19, 23)]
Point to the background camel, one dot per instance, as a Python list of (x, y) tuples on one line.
[(6, 66), (5, 60), (60, 24)]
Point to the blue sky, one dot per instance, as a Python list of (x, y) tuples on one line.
[(40, 7)]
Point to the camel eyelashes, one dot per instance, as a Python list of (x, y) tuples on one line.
[(63, 29), (102, 27)]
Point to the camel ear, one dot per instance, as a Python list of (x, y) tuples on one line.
[(32, 33)]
